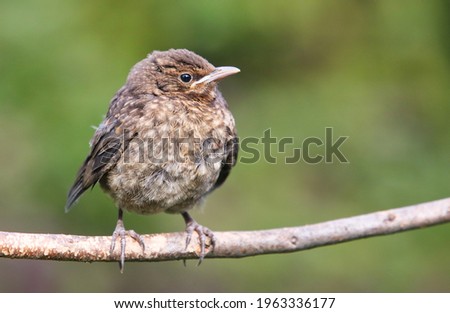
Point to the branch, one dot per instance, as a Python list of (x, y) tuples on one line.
[(171, 246)]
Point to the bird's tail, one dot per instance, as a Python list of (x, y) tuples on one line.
[(75, 192)]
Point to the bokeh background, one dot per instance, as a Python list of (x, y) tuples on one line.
[(376, 71)]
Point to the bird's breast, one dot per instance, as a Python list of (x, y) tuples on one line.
[(172, 159)]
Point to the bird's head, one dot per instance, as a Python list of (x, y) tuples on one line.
[(179, 72)]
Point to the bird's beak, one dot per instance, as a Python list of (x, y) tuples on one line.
[(217, 74)]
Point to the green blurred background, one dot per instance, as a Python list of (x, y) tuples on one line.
[(376, 71)]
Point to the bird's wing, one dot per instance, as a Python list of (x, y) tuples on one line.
[(231, 149), (106, 149), (110, 140)]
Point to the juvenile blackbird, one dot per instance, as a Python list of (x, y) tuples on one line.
[(167, 140)]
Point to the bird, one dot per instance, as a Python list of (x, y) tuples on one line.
[(168, 140)]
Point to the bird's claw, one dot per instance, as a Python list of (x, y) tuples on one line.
[(202, 232), (121, 233)]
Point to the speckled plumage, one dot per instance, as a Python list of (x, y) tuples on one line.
[(164, 143)]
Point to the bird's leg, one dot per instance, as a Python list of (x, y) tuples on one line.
[(202, 231), (120, 232)]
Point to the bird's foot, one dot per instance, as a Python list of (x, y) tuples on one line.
[(202, 231), (120, 232)]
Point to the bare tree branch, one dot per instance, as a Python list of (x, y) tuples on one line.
[(171, 246)]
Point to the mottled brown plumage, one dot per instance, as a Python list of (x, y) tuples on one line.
[(167, 140)]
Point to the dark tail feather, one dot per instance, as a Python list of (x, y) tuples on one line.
[(75, 192), (105, 153)]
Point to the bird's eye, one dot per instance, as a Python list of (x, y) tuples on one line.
[(185, 77)]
